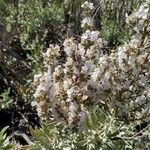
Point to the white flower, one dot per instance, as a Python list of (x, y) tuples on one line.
[(82, 6), (88, 5), (39, 110), (69, 61), (84, 70), (139, 26), (86, 35), (135, 41), (94, 35), (81, 49), (70, 93), (66, 70), (122, 56), (37, 77), (47, 77), (91, 6), (58, 71), (66, 84), (69, 46), (89, 64), (90, 53), (75, 70), (103, 60), (142, 80), (87, 21), (141, 99), (99, 42), (84, 97), (95, 75), (33, 103), (142, 12), (132, 59), (37, 93), (73, 107)]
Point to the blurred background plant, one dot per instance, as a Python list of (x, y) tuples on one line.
[(4, 141), (5, 99)]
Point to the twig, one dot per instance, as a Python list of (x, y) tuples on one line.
[(135, 135)]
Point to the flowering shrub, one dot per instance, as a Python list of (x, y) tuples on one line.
[(86, 76)]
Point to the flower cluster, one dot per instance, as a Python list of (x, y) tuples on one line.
[(119, 80), (87, 18), (123, 76)]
